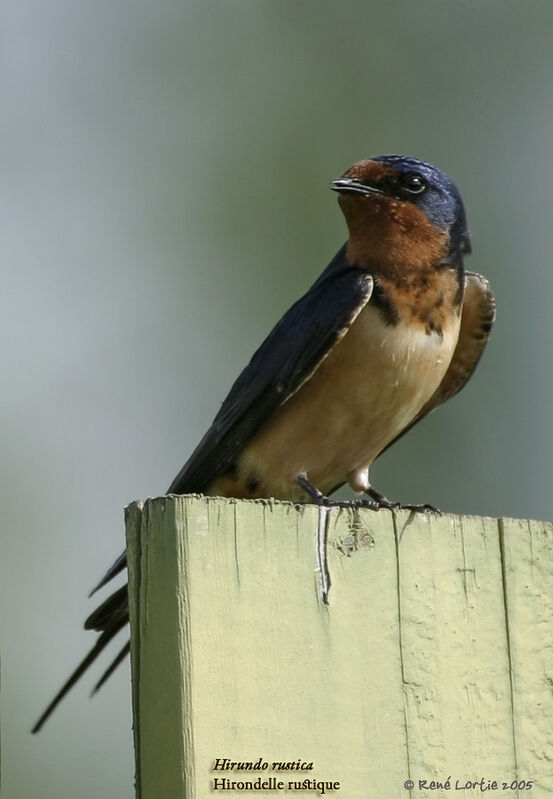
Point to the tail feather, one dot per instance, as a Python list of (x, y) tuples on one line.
[(113, 570), (111, 668), (110, 610), (112, 622)]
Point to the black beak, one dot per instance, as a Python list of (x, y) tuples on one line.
[(353, 186)]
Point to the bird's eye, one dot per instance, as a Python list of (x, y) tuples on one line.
[(414, 184)]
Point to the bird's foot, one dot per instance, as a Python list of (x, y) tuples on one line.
[(318, 498), (383, 502)]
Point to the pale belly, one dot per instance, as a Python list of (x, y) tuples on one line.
[(368, 389)]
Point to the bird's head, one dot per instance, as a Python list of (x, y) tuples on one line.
[(404, 204)]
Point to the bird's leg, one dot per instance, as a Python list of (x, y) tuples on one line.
[(318, 498), (384, 502)]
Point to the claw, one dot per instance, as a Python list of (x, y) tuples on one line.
[(426, 508), (318, 498), (377, 502), (384, 502)]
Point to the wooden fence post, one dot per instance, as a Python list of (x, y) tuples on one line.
[(433, 660)]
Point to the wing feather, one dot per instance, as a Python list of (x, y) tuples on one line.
[(287, 358)]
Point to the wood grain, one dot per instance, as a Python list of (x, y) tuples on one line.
[(432, 660)]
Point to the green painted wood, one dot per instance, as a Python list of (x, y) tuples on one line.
[(432, 660), (528, 566)]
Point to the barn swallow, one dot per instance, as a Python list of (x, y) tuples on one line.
[(392, 328)]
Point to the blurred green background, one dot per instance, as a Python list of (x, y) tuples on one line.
[(165, 171)]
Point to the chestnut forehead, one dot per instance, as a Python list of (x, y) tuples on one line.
[(370, 171)]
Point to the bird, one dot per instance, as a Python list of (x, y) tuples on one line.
[(392, 328)]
